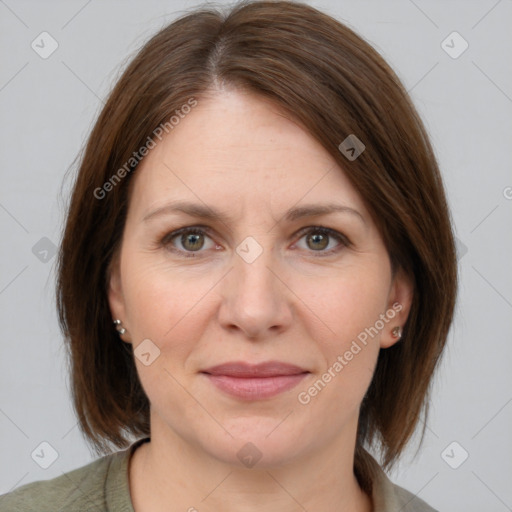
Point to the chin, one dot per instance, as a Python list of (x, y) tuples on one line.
[(259, 443)]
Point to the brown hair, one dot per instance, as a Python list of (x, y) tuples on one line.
[(335, 84)]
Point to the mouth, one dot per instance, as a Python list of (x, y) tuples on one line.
[(255, 382)]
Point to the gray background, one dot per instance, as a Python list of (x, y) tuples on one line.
[(47, 110)]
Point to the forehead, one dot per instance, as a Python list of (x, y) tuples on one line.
[(239, 147)]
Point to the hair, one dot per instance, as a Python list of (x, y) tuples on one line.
[(335, 84)]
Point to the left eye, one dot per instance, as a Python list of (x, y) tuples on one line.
[(192, 240), (317, 239)]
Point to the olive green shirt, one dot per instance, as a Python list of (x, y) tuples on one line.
[(103, 486)]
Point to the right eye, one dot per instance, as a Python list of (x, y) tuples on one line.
[(191, 239)]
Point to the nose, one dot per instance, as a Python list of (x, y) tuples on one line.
[(255, 298)]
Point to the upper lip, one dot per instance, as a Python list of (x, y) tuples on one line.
[(242, 369)]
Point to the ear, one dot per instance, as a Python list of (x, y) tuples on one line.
[(399, 305), (115, 295)]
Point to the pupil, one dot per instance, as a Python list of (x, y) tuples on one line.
[(319, 237), (193, 238)]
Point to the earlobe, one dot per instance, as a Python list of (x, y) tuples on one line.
[(399, 306), (116, 299), (396, 332)]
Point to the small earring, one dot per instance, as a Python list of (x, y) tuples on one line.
[(397, 332), (119, 328)]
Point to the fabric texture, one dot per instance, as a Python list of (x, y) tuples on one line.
[(103, 486)]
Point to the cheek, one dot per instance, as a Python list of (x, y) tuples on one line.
[(347, 303), (346, 311), (165, 306), (161, 299)]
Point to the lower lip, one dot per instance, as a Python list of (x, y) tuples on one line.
[(255, 388)]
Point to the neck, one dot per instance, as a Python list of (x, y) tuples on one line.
[(169, 472)]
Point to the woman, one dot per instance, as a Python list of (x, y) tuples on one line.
[(236, 365)]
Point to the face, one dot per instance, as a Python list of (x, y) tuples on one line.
[(257, 320)]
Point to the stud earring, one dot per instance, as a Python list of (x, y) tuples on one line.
[(119, 328), (397, 332)]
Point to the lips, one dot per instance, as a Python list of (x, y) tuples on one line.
[(255, 382), (246, 370)]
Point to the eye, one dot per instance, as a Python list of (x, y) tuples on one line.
[(318, 239), (191, 239)]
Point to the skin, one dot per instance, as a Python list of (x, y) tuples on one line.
[(240, 154)]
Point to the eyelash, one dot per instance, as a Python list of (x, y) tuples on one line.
[(166, 240)]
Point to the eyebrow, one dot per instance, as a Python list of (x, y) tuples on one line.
[(208, 213)]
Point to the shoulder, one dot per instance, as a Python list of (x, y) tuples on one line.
[(78, 490), (389, 497), (409, 502)]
